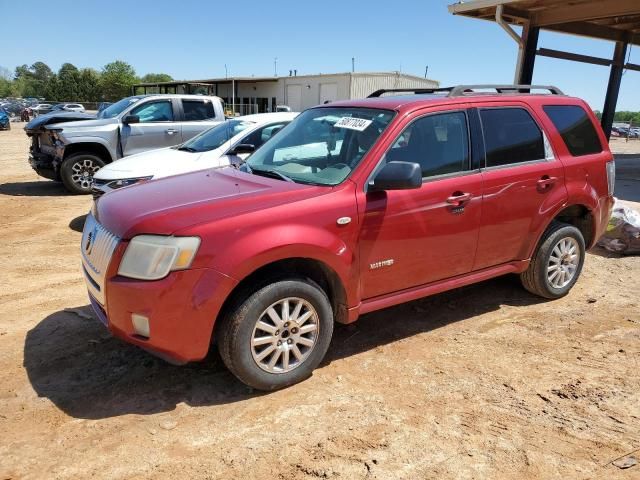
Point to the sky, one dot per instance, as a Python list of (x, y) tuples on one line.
[(196, 39)]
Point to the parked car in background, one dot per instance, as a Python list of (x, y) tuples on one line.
[(67, 107), (229, 142), (72, 146), (5, 120), (354, 207), (41, 108)]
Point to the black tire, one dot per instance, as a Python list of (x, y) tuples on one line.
[(536, 278), (73, 168), (236, 331)]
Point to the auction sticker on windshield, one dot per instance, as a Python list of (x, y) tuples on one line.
[(352, 123)]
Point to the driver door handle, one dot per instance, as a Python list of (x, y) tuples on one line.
[(171, 131), (457, 199)]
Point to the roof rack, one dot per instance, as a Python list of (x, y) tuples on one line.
[(464, 90)]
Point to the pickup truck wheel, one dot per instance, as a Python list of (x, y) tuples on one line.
[(278, 335), (77, 171), (556, 263)]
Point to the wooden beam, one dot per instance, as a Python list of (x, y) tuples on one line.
[(593, 30), (584, 12), (574, 57), (632, 66)]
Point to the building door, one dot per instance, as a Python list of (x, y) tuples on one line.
[(294, 97), (328, 92)]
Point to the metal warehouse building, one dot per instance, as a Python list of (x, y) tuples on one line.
[(261, 94)]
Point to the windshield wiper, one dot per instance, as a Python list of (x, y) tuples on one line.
[(187, 149), (270, 173)]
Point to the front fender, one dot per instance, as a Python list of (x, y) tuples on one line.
[(241, 259)]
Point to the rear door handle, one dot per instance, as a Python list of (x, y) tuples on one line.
[(171, 131), (546, 182), (457, 199)]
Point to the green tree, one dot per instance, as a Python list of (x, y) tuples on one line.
[(68, 83), (156, 78), (117, 79), (89, 86)]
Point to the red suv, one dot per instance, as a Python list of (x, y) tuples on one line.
[(355, 206)]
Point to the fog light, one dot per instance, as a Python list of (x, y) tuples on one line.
[(140, 325)]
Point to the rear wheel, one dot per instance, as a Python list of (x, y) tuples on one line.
[(278, 335), (556, 263), (77, 171)]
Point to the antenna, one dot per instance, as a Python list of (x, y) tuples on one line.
[(426, 69), (275, 66), (353, 64)]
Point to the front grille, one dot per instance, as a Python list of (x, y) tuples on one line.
[(97, 248)]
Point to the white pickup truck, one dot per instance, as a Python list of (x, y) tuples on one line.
[(70, 147)]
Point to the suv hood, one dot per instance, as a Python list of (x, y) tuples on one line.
[(160, 163), (54, 118), (167, 205)]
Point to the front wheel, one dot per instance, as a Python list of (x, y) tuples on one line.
[(278, 335), (77, 171), (556, 263)]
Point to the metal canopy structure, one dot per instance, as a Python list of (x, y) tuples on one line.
[(614, 20)]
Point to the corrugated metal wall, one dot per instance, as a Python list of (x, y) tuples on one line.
[(366, 83)]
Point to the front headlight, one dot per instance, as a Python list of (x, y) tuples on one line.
[(125, 182), (152, 257)]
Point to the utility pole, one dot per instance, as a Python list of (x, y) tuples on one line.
[(275, 66), (353, 64)]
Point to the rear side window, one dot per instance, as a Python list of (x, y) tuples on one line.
[(576, 129), (511, 136), (195, 110), (439, 143)]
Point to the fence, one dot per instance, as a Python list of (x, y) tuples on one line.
[(239, 109)]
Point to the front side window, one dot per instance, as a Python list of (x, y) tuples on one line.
[(438, 143), (216, 136), (154, 112), (322, 145), (511, 136), (576, 129), (196, 110)]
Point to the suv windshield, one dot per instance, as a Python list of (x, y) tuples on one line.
[(216, 136), (117, 108), (322, 145)]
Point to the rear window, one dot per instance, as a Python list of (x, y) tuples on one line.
[(576, 129), (511, 136), (195, 110)]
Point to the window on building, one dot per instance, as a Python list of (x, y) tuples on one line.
[(511, 136), (439, 143), (576, 129)]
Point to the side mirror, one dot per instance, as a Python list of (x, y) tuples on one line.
[(131, 119), (397, 176), (242, 148)]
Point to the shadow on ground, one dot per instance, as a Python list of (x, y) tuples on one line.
[(74, 362), (33, 189), (77, 224)]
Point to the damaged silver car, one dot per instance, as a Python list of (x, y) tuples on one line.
[(71, 146)]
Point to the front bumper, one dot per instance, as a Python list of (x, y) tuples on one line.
[(181, 310), (44, 165)]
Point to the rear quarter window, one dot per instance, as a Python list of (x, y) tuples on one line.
[(576, 129)]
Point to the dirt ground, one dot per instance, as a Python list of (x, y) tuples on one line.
[(483, 382)]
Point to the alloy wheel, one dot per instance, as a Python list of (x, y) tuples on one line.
[(284, 335)]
